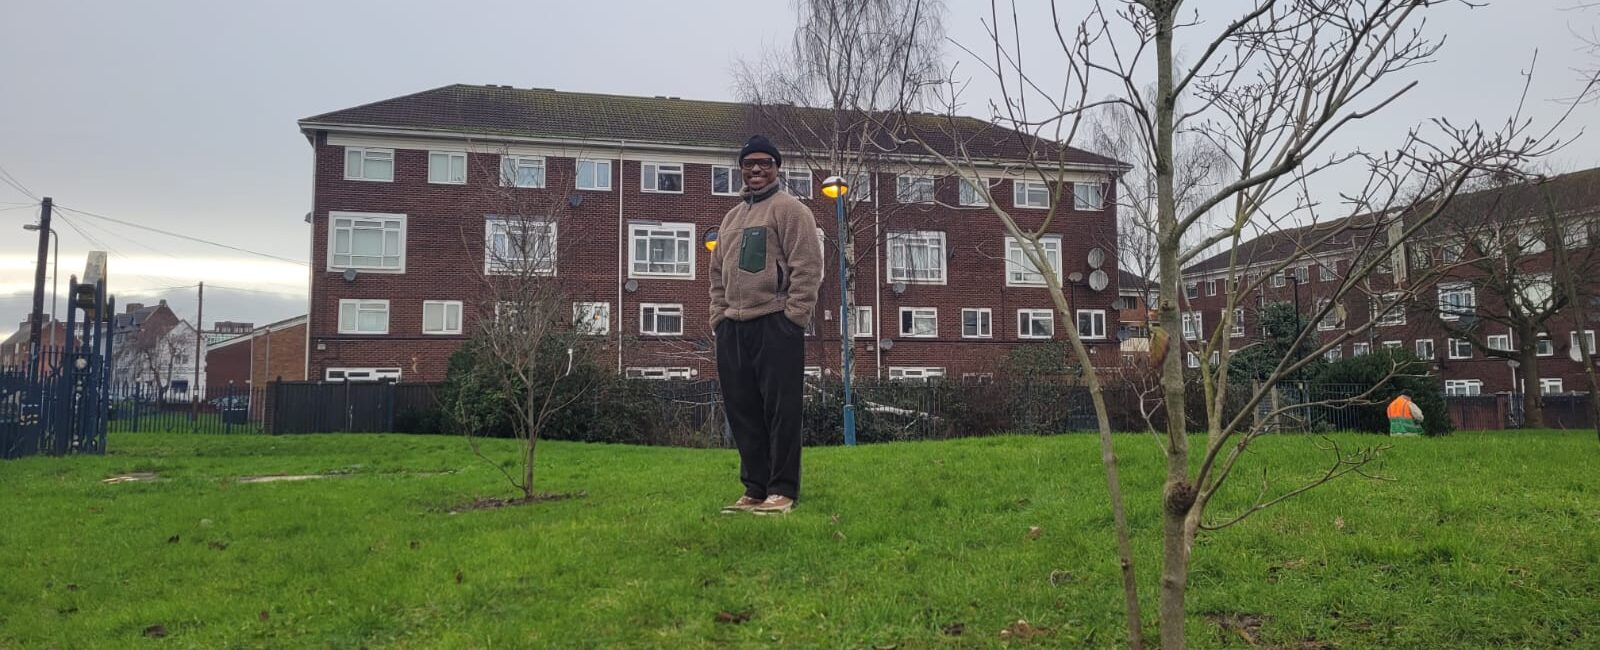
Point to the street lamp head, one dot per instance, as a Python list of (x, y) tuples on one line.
[(834, 187), (31, 226)]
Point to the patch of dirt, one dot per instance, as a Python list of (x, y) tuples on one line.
[(1022, 630), (156, 631), (1245, 626), (1306, 644), (734, 618), (954, 629), (275, 478), (491, 503), (132, 477)]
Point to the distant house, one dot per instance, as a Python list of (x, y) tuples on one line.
[(14, 350), (1136, 314), (254, 358), (154, 350)]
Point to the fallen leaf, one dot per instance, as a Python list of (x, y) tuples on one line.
[(838, 535), (834, 518), (733, 617), (1338, 522), (1058, 576), (262, 616), (1244, 625), (1034, 532), (954, 629), (1021, 630), (157, 631)]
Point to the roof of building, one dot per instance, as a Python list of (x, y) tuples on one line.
[(1568, 193), (279, 325), (1130, 281), (670, 121)]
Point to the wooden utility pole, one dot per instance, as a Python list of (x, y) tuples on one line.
[(199, 338), (36, 318)]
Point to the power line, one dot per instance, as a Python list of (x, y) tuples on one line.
[(8, 179), (178, 235), (261, 291)]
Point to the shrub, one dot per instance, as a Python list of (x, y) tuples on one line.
[(1366, 371)]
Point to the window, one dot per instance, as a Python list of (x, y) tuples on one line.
[(913, 189), (1532, 242), (1191, 325), (1334, 353), (1327, 272), (1211, 287), (1456, 299), (660, 320), (916, 257), (861, 188), (1360, 349), (518, 246), (1086, 196), (919, 322), (1395, 314), (1279, 280), (1550, 386), (441, 317), (360, 240), (522, 171), (1501, 342), (1588, 336), (591, 317), (1092, 323), (863, 320), (1191, 290), (1302, 274), (1216, 358), (977, 377), (361, 164), (901, 373), (1545, 347), (1421, 257), (1576, 234), (1462, 387), (1032, 194), (1450, 253), (661, 177), (665, 250), (1036, 323), (363, 317), (726, 181), (447, 167), (658, 374), (977, 323), (594, 175), (971, 196), (1192, 360), (798, 182), (814, 372), (362, 374), (1460, 349), (1020, 271), (1330, 318), (1238, 323), (1424, 348)]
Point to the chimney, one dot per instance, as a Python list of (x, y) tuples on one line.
[(134, 306)]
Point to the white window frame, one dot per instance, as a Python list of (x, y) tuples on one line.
[(658, 373), (735, 180), (899, 246), (1544, 346), (651, 172), (915, 373), (1327, 272), (1396, 314), (1097, 324), (1020, 271), (446, 307), (592, 318), (967, 194), (1547, 383), (788, 176), (495, 264), (361, 374), (1081, 205), (1279, 280), (1197, 319), (1211, 287), (1418, 345), (918, 313), (906, 184), (647, 231), (362, 305), (1392, 345), (862, 317), (1572, 341), (814, 372), (859, 181), (1023, 194), (512, 166), (1498, 342), (1192, 359), (450, 158), (353, 217), (1453, 345), (366, 154), (651, 325), (985, 323), (1191, 290), (1455, 288), (1360, 349), (1033, 317), (1463, 387), (1334, 353), (1237, 331), (596, 163)]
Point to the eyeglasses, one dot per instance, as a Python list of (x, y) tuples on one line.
[(758, 163)]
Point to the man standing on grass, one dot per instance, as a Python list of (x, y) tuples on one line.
[(765, 272), (1405, 417)]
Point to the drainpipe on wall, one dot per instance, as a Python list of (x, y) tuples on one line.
[(877, 284), (622, 247)]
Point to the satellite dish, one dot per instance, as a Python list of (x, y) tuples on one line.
[(886, 344), (1513, 363), (898, 287), (1098, 280), (349, 275), (1096, 258), (1075, 277), (631, 285)]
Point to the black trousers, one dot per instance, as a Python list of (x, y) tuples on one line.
[(761, 365)]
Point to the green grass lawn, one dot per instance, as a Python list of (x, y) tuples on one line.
[(1483, 540)]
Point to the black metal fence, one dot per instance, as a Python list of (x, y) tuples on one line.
[(227, 409), (347, 407)]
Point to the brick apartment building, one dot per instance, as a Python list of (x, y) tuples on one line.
[(257, 356), (1433, 264), (407, 190)]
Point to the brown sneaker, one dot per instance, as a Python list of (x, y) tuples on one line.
[(744, 504), (775, 504)]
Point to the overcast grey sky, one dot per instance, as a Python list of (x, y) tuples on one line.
[(181, 115)]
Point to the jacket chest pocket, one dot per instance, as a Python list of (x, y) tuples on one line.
[(753, 250)]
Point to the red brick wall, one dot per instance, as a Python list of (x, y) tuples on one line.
[(444, 250), (227, 364), (278, 354)]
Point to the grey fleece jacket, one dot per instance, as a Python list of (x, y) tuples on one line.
[(768, 259)]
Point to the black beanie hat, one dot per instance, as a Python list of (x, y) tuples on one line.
[(760, 144)]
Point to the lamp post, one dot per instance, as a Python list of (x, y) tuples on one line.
[(836, 188), (55, 276)]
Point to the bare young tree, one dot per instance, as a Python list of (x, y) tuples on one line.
[(1271, 89)]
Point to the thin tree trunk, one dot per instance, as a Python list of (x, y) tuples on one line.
[(1532, 392)]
